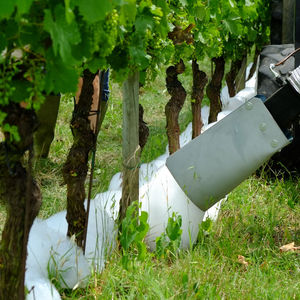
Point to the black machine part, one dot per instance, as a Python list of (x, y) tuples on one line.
[(284, 106), (268, 83)]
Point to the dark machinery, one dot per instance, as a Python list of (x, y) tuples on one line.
[(214, 163), (266, 126)]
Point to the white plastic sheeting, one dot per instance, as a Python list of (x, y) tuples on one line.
[(51, 252)]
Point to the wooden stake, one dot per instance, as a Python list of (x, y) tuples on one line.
[(131, 148)]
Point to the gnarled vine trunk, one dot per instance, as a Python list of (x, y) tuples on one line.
[(76, 166), (255, 61), (143, 128), (175, 104), (214, 88), (199, 82), (22, 198), (231, 76)]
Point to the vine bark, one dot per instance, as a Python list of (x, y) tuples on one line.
[(22, 198), (76, 166), (175, 104), (231, 76), (214, 88), (199, 82), (143, 128)]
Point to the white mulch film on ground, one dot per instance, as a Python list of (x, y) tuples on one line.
[(51, 252)]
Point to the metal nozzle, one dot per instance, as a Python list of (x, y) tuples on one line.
[(294, 79)]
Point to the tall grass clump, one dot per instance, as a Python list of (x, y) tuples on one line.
[(236, 257)]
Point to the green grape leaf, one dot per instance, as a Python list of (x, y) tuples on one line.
[(31, 35), (143, 23), (139, 56), (128, 12), (60, 76), (63, 35), (252, 34), (183, 51), (94, 10), (199, 37), (232, 4), (232, 26), (156, 11), (23, 6), (200, 12), (183, 2), (21, 91), (118, 58), (213, 5), (96, 64), (6, 8), (68, 12), (85, 47)]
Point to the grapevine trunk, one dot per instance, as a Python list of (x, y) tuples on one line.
[(214, 88), (22, 198), (175, 104), (231, 76), (76, 166), (199, 82), (143, 128)]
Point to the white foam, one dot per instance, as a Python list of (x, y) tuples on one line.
[(116, 182), (41, 288), (50, 251), (160, 198)]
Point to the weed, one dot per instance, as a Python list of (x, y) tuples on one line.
[(133, 231), (204, 230), (168, 243)]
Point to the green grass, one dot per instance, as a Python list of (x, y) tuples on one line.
[(259, 216), (257, 219)]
